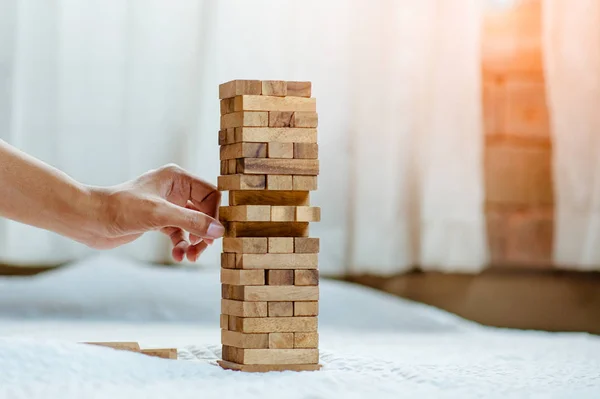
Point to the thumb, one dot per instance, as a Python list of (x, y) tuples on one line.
[(194, 222)]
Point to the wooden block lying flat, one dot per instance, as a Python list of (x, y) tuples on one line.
[(270, 134), (270, 356), (270, 103), (279, 182), (226, 106), (307, 213), (265, 368), (281, 119), (228, 261), (283, 213), (304, 119), (246, 245), (242, 340), (306, 245), (306, 340), (298, 89), (245, 213), (241, 182), (266, 229), (269, 293), (244, 150), (281, 340), (280, 309), (240, 87), (266, 197), (243, 308), (280, 245), (305, 151), (277, 261), (269, 166), (306, 308), (275, 324), (274, 88), (122, 346), (244, 277), (304, 183), (279, 277), (224, 321), (306, 277), (240, 119), (166, 353), (280, 150)]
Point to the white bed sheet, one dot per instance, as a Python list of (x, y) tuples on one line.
[(372, 344)]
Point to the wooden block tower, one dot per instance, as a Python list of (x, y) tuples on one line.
[(269, 265)]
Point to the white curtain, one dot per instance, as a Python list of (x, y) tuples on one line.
[(108, 89), (572, 66)]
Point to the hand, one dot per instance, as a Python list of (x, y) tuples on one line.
[(168, 199)]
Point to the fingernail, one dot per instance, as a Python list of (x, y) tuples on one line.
[(215, 230)]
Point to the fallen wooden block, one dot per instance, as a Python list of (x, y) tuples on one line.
[(278, 277), (240, 87), (245, 118), (245, 213), (244, 150), (264, 368), (298, 89), (242, 340), (270, 197), (244, 277), (277, 261), (270, 135), (306, 277), (280, 245), (281, 340), (167, 353), (280, 309), (241, 182), (266, 229), (304, 183), (122, 346), (270, 103), (306, 340), (275, 324), (306, 308), (269, 166), (268, 293), (306, 245), (246, 245)]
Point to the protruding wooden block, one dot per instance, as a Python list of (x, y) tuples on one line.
[(281, 340), (304, 119), (274, 88), (241, 182), (245, 118), (269, 293), (279, 182), (246, 245), (299, 89), (242, 340), (228, 261), (224, 169), (243, 308), (280, 118), (245, 213), (266, 197), (166, 353), (306, 340), (243, 150), (230, 133), (269, 103), (279, 277), (270, 134), (122, 346), (306, 277), (306, 245), (306, 308), (270, 356), (265, 368), (240, 87), (244, 277), (266, 229), (224, 322), (281, 150), (280, 309), (226, 106), (280, 245), (304, 183), (268, 166), (283, 213), (277, 261), (307, 213), (275, 324), (306, 151)]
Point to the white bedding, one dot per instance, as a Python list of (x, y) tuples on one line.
[(373, 345)]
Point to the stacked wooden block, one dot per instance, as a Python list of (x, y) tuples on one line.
[(269, 265)]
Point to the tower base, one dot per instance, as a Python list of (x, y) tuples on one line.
[(263, 368)]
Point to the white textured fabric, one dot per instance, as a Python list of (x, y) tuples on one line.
[(108, 89), (572, 65)]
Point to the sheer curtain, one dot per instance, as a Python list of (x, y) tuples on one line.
[(108, 89), (572, 65)]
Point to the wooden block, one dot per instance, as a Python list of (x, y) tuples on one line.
[(307, 213), (270, 356), (269, 166), (243, 308), (266, 229), (270, 134), (279, 277), (277, 261), (224, 321), (228, 261), (232, 323), (298, 89), (274, 88), (304, 183), (306, 245), (283, 213), (241, 340), (243, 150), (241, 182), (122, 346), (279, 182), (280, 309), (305, 277), (306, 309), (270, 103), (280, 245), (246, 245), (304, 119), (269, 293), (306, 340), (234, 292), (281, 150), (240, 119), (223, 137), (231, 166), (280, 118), (226, 106), (230, 133), (276, 324), (265, 197), (281, 340), (245, 213), (166, 353), (305, 151), (244, 277), (240, 87), (224, 168), (265, 368)]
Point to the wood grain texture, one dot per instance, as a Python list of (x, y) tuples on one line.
[(306, 245), (247, 245), (299, 89), (266, 229), (274, 88), (122, 346), (228, 261), (241, 182), (306, 340), (306, 277), (268, 166), (281, 150), (244, 277), (270, 103), (245, 213), (277, 261), (278, 277), (283, 213), (267, 197), (307, 213), (224, 322), (306, 308), (223, 137), (230, 135), (304, 183), (240, 119), (244, 150), (231, 166), (305, 151), (279, 182), (240, 87), (280, 245), (304, 119), (163, 353), (226, 106), (265, 368), (242, 340), (281, 118), (269, 293), (275, 324), (280, 309), (281, 340), (270, 356), (243, 308), (270, 134)]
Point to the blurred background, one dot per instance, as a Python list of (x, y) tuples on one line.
[(459, 140)]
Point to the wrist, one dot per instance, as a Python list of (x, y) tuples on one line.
[(88, 213)]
